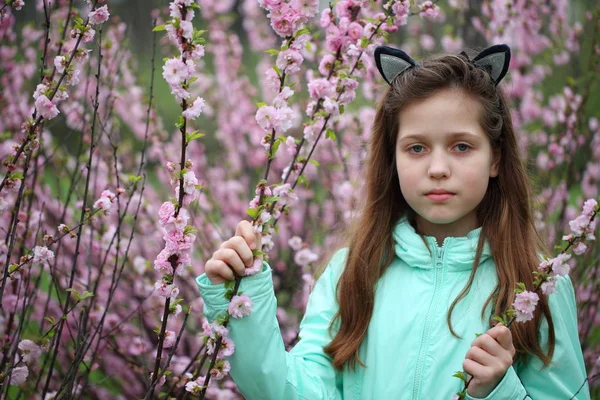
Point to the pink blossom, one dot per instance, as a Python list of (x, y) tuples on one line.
[(42, 254), (162, 263), (165, 290), (45, 107), (549, 286), (196, 109), (295, 242), (524, 305), (72, 77), (326, 17), (170, 337), (559, 264), (307, 8), (285, 193), (99, 15), (88, 35), (305, 256), (103, 203), (255, 269), (580, 248), (18, 375), (400, 9), (451, 44), (18, 4), (30, 351), (220, 369), (319, 88), (429, 10), (289, 61), (187, 29), (284, 25), (137, 346), (175, 71), (60, 62), (589, 206), (326, 64), (331, 106), (240, 306), (193, 387), (166, 212), (355, 30), (281, 99), (40, 89), (266, 117)]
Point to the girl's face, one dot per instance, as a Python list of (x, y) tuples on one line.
[(442, 147)]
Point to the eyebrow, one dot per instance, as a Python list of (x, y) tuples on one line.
[(453, 135)]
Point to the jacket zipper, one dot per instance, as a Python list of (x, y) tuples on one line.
[(438, 264)]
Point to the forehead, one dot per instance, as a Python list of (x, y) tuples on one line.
[(445, 112)]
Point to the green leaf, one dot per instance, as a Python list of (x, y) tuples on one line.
[(50, 320), (16, 175), (330, 134), (159, 28), (302, 32), (342, 108), (134, 178), (273, 52), (460, 375), (520, 287), (86, 294), (190, 136), (303, 180), (364, 42), (12, 268), (252, 212), (478, 334), (276, 68), (315, 163), (75, 293), (260, 104)]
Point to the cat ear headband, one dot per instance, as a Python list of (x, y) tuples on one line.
[(393, 62)]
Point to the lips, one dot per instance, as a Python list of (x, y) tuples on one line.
[(438, 191)]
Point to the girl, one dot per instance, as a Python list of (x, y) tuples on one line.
[(446, 233)]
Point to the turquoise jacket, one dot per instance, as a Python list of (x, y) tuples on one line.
[(409, 351)]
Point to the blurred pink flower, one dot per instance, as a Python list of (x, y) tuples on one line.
[(524, 305), (240, 306)]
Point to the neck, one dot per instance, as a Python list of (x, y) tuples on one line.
[(440, 232)]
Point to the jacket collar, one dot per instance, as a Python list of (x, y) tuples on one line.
[(458, 253)]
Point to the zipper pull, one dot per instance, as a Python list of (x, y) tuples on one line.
[(438, 262)]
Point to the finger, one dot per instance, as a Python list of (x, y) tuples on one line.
[(239, 245), (232, 259), (472, 368), (489, 344), (246, 230), (481, 356), (503, 336), (218, 272)]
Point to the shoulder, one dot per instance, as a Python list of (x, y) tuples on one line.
[(334, 268)]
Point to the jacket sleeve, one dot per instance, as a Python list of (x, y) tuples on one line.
[(260, 365), (566, 374)]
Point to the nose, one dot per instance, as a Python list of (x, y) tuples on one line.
[(439, 167)]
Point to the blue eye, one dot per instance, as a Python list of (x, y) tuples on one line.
[(413, 148), (465, 147)]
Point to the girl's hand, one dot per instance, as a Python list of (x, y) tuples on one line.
[(233, 255), (490, 355)]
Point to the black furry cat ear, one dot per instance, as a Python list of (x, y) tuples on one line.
[(392, 62), (495, 60)]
